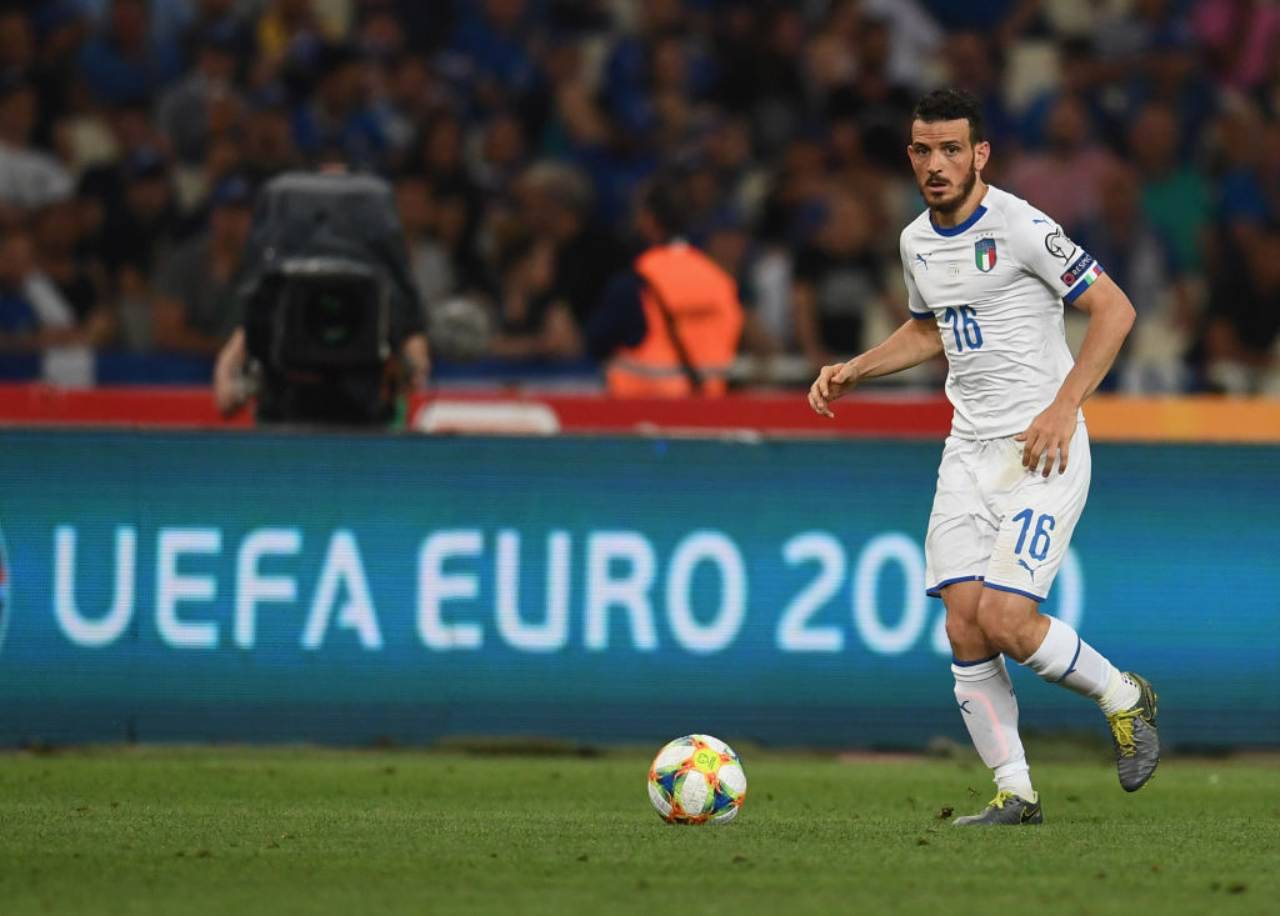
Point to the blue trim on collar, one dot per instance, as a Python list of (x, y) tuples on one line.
[(949, 231)]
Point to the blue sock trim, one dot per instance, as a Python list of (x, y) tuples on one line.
[(936, 591), (1072, 667), (982, 661), (1016, 591)]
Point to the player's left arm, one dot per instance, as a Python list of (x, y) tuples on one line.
[(1111, 315)]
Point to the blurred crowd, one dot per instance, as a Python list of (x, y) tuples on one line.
[(517, 133)]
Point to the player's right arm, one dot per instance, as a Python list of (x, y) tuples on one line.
[(913, 343)]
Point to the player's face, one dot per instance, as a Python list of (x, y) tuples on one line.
[(946, 163)]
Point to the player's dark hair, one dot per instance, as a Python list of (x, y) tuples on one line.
[(666, 200), (951, 105)]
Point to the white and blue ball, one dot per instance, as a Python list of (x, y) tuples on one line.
[(697, 779)]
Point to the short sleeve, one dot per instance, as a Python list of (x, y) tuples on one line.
[(1043, 249), (915, 302)]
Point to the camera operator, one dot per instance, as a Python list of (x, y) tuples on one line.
[(333, 331)]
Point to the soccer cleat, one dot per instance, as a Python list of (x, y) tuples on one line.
[(1005, 809), (1133, 731)]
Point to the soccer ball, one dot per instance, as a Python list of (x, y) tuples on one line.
[(697, 779)]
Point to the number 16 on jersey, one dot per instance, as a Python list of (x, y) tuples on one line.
[(964, 319)]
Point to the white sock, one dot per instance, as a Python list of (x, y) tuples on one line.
[(1064, 658), (1121, 692), (990, 712)]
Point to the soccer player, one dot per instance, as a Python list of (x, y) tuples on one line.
[(987, 275)]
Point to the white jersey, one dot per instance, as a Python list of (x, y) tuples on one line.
[(996, 284)]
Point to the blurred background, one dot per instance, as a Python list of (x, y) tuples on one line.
[(517, 134)]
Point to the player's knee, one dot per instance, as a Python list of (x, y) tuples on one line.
[(1000, 619), (963, 630)]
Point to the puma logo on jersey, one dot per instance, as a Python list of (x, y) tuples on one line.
[(1023, 563), (920, 258)]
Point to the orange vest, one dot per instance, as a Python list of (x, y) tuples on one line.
[(703, 301)]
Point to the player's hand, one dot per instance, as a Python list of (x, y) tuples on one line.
[(833, 382), (230, 393), (1049, 437)]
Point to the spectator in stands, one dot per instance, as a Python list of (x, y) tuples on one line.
[(60, 254), (185, 111), (54, 71), (123, 62), (141, 228), (1143, 264), (136, 231), (29, 178), (880, 104), (429, 260), (500, 156), (17, 41), (492, 37), (838, 280), (1242, 40), (337, 119), (1065, 178), (1175, 196), (647, 64), (225, 19), (728, 149), (33, 313), (556, 204), (289, 33), (411, 97), (129, 129), (195, 307), (453, 222), (427, 27), (973, 64), (1244, 307), (525, 329), (438, 155), (758, 51), (268, 145), (1171, 76)]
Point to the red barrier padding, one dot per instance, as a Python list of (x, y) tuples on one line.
[(913, 416)]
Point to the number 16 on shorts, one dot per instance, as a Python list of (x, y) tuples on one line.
[(1036, 531)]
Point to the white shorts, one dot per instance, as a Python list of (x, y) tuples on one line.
[(997, 522)]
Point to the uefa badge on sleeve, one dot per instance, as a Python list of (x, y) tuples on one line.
[(984, 254)]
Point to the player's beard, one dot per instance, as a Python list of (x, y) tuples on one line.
[(950, 206)]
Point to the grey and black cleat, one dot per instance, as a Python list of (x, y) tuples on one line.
[(1005, 809), (1133, 731)]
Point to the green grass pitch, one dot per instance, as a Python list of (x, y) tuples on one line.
[(248, 831)]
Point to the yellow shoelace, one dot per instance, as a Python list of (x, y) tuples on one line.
[(1122, 731), (1002, 797)]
